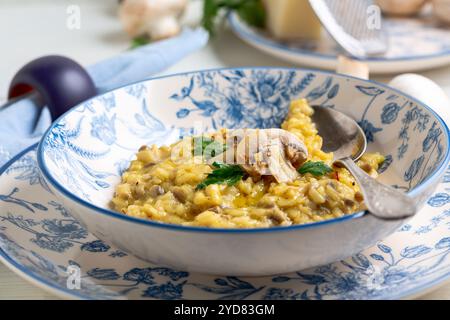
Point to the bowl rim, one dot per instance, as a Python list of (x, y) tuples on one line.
[(147, 222)]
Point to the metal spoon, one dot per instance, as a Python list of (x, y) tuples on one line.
[(345, 138)]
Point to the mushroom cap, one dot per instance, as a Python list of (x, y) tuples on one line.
[(274, 152)]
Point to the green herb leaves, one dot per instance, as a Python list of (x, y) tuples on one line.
[(210, 11), (229, 174), (316, 168), (139, 41), (251, 11), (207, 147)]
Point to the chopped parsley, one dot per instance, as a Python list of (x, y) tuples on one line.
[(139, 41), (211, 146), (229, 174), (316, 168)]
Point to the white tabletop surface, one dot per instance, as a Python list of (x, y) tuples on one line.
[(32, 28)]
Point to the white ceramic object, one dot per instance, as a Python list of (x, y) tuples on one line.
[(425, 90), (415, 44), (84, 152)]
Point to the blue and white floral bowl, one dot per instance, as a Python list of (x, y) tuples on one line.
[(84, 152)]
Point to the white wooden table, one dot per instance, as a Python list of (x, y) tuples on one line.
[(32, 28)]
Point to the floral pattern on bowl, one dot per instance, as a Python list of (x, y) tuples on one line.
[(84, 153), (39, 238), (75, 152)]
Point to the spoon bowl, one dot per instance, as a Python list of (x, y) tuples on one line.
[(344, 137), (341, 134)]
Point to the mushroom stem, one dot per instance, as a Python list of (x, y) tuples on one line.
[(274, 152)]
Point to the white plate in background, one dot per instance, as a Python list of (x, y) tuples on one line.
[(39, 241), (415, 45)]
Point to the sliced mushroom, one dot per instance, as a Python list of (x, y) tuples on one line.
[(279, 217), (179, 194), (260, 152), (349, 203), (155, 191), (278, 163), (216, 209)]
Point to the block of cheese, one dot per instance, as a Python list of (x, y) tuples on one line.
[(292, 19)]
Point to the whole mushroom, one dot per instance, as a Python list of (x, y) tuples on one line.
[(157, 19), (401, 7), (273, 152)]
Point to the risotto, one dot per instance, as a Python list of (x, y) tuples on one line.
[(165, 185)]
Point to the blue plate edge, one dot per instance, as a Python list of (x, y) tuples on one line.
[(17, 268), (58, 290)]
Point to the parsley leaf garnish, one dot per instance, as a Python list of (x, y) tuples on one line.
[(229, 174), (316, 168), (251, 11), (205, 143), (139, 41)]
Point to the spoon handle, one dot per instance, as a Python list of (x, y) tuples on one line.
[(382, 201)]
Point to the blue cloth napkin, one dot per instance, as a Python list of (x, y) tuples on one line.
[(24, 121)]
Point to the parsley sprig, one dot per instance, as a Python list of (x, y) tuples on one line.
[(202, 144), (139, 42), (251, 11), (229, 174), (316, 168)]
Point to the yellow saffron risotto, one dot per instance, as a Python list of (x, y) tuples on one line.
[(158, 187)]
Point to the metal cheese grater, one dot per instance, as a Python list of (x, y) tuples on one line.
[(356, 25)]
